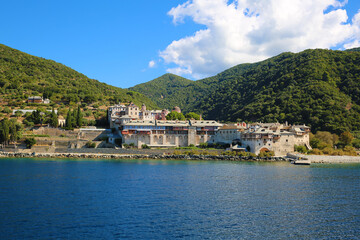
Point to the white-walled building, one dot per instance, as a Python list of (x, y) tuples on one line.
[(230, 133), (166, 133), (275, 137), (118, 114)]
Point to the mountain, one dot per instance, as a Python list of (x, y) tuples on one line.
[(317, 87), (353, 49), (167, 91), (23, 75)]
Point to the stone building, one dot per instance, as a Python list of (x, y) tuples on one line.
[(118, 114), (275, 137), (156, 133), (230, 133), (35, 99)]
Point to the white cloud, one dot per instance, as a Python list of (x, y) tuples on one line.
[(152, 64), (242, 31)]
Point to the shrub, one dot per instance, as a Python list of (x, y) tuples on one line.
[(316, 151), (300, 149), (144, 146), (204, 152), (28, 123), (191, 152), (338, 152), (18, 114), (266, 154), (203, 145), (30, 142), (7, 110), (90, 144), (177, 152), (356, 143), (346, 138), (328, 150), (229, 153), (349, 150)]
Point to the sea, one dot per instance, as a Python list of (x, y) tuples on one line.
[(177, 199)]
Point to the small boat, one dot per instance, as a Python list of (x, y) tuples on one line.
[(301, 161)]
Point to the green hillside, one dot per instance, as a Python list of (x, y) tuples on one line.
[(353, 50), (318, 87), (23, 75), (171, 90)]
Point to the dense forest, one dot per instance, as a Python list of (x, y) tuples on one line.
[(318, 87), (23, 75)]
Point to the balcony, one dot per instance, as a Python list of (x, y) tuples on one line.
[(144, 132), (180, 129)]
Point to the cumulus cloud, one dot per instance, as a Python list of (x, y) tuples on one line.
[(152, 64), (243, 31)]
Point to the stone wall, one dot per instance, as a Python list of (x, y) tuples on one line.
[(331, 159)]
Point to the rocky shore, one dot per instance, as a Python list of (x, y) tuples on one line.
[(141, 156), (330, 159), (170, 156)]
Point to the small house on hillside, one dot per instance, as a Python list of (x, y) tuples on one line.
[(38, 99)]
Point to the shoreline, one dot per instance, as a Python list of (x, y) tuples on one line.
[(329, 158), (313, 158), (142, 156)]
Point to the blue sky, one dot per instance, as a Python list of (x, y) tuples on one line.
[(115, 41)]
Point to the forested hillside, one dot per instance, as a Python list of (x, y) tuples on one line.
[(318, 87), (171, 90), (23, 75)]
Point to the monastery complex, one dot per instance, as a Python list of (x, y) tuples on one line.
[(139, 126)]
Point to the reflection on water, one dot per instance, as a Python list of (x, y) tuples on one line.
[(177, 199)]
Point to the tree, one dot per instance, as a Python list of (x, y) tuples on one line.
[(325, 137), (54, 122), (7, 110), (30, 142), (69, 124), (356, 143), (5, 131), (346, 138), (35, 117), (192, 115), (175, 116), (79, 117), (18, 114)]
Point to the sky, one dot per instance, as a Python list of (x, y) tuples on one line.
[(124, 43)]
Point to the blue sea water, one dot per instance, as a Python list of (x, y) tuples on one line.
[(143, 199)]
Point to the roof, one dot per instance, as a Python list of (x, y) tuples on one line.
[(203, 123), (173, 123), (140, 123), (132, 105), (231, 127), (125, 116)]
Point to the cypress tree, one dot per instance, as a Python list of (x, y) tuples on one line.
[(79, 117), (5, 131), (54, 119), (69, 120)]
